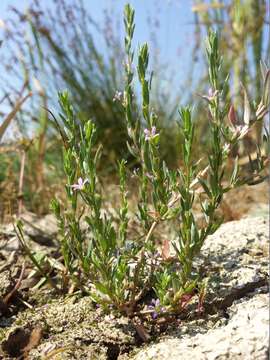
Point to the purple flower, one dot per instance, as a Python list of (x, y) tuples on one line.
[(80, 185), (149, 134), (154, 315), (155, 306)]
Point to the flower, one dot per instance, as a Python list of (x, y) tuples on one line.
[(238, 127), (118, 96), (156, 307), (80, 185), (150, 177), (135, 173), (211, 95), (149, 134)]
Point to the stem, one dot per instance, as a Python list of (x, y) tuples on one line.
[(173, 201), (20, 195)]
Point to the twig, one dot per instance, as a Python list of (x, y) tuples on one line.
[(20, 236), (26, 303), (12, 114), (16, 287)]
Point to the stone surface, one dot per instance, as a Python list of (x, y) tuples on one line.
[(235, 260), (235, 325), (245, 337), (72, 328), (41, 231)]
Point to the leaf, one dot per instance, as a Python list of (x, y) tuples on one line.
[(205, 187), (202, 7), (266, 90), (131, 150), (264, 69), (247, 110), (102, 288), (11, 115), (235, 172), (232, 116)]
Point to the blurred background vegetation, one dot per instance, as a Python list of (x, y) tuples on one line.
[(62, 46)]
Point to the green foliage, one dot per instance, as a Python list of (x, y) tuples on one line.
[(244, 42), (66, 49), (104, 260)]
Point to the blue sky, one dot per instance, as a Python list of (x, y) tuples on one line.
[(174, 32)]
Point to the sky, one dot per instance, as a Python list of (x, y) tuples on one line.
[(174, 28), (174, 24)]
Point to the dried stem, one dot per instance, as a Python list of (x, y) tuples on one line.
[(20, 194)]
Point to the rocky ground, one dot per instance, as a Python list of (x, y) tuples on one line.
[(238, 269), (38, 324)]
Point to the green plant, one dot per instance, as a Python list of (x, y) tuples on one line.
[(102, 256), (243, 33)]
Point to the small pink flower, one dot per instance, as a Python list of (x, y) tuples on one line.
[(238, 127), (80, 185), (118, 96), (211, 95), (149, 134), (150, 177)]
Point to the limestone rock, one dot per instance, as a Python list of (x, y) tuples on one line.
[(245, 337), (235, 262)]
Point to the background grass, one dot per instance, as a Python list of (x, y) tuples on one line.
[(58, 48)]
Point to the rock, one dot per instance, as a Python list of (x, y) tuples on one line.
[(75, 329), (235, 261), (42, 231), (245, 337), (258, 209), (8, 238)]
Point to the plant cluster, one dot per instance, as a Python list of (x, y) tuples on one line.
[(47, 48), (244, 41), (101, 255), (62, 46)]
